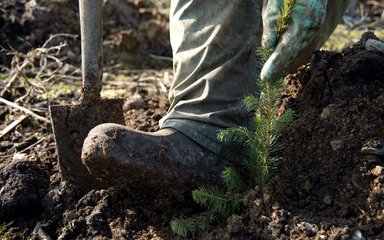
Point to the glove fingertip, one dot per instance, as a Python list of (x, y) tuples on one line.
[(272, 68), (265, 73), (269, 40)]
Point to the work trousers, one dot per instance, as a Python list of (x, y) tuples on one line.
[(215, 63), (215, 66)]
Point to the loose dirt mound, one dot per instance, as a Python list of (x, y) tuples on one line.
[(324, 188), (23, 185)]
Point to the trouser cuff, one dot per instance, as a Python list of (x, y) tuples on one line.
[(202, 133)]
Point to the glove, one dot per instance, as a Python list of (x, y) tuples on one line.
[(311, 23)]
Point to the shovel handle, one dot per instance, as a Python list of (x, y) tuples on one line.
[(91, 24)]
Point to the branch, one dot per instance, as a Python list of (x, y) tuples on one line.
[(58, 35), (11, 126), (23, 109)]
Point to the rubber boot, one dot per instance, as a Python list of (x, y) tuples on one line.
[(123, 157)]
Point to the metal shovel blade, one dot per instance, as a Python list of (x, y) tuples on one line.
[(72, 123)]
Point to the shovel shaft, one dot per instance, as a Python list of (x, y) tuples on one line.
[(72, 123), (91, 23)]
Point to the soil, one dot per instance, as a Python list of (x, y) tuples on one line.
[(324, 188), (129, 26)]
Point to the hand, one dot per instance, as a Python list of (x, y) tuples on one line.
[(306, 19)]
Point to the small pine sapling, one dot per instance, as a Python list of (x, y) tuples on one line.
[(260, 144)]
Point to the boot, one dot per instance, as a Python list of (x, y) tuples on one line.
[(123, 157)]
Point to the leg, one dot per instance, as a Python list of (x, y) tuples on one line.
[(215, 66)]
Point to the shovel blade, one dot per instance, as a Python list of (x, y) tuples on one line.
[(71, 125)]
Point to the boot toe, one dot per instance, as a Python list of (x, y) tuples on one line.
[(117, 156), (97, 150)]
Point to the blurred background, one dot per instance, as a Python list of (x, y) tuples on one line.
[(135, 28), (40, 39)]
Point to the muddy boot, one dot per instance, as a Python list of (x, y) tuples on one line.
[(123, 157)]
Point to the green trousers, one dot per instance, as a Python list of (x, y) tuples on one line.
[(215, 65)]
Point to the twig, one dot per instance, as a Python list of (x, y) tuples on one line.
[(24, 63), (58, 35), (23, 109), (27, 94), (64, 77), (15, 74), (11, 126), (4, 68), (165, 79), (148, 79), (31, 146)]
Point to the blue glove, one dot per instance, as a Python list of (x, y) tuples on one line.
[(311, 23)]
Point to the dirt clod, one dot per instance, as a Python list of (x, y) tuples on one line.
[(22, 186)]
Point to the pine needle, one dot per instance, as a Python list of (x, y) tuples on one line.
[(235, 134), (284, 17), (233, 180), (200, 223), (251, 102), (264, 54), (215, 200)]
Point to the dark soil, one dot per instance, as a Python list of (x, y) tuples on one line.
[(129, 26), (143, 110), (43, 204), (324, 188), (22, 187)]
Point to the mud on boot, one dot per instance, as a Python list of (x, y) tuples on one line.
[(131, 159)]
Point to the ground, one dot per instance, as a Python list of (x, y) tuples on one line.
[(323, 188)]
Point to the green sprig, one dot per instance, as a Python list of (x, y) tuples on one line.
[(284, 17)]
